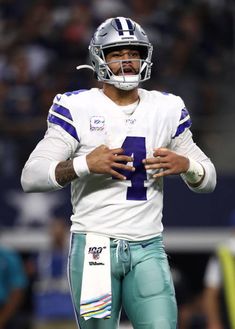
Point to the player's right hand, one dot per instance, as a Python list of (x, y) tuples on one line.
[(103, 160)]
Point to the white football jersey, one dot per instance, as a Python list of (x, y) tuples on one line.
[(82, 120)]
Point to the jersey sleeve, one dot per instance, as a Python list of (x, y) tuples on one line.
[(59, 144), (183, 144), (183, 123), (60, 114), (179, 115)]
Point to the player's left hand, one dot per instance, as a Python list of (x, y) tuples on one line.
[(167, 162)]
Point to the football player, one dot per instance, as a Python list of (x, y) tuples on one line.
[(114, 145)]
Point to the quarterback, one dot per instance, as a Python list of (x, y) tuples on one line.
[(115, 145)]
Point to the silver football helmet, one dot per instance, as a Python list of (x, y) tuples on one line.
[(113, 34)]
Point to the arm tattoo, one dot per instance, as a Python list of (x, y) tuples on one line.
[(64, 172)]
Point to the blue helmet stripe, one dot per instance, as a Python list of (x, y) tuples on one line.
[(63, 124), (119, 26), (130, 26), (62, 111)]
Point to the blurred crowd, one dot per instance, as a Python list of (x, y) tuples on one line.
[(42, 42)]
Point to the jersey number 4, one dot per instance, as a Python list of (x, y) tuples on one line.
[(135, 147)]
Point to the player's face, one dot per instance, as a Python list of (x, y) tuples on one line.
[(124, 61)]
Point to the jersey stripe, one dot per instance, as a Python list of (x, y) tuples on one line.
[(187, 118), (184, 123), (61, 115), (68, 127), (181, 128), (74, 92), (184, 113), (61, 110)]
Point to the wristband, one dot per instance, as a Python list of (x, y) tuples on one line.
[(195, 172), (80, 166)]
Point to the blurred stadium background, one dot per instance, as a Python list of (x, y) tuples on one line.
[(41, 43)]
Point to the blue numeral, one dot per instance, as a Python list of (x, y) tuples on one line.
[(135, 147)]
